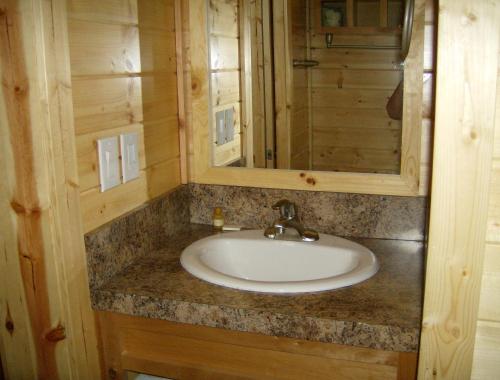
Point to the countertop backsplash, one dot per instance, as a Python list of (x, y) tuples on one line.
[(117, 244), (341, 214), (114, 246)]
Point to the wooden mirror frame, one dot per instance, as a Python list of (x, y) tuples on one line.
[(411, 181)]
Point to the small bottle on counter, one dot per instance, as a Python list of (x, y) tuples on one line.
[(218, 219)]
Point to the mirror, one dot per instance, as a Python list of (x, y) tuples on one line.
[(307, 84)]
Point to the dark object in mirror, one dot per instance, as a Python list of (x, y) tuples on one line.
[(394, 106)]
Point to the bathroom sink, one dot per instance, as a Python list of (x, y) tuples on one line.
[(247, 260)]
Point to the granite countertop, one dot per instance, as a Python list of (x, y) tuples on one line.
[(383, 312)]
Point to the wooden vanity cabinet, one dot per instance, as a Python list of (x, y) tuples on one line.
[(183, 351)]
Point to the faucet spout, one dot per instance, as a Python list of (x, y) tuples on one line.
[(304, 234), (289, 220)]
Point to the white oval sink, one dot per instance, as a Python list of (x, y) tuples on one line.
[(247, 260)]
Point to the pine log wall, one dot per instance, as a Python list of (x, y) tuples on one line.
[(351, 130), (123, 67), (225, 70), (486, 364)]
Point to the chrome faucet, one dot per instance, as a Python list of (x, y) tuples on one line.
[(289, 219)]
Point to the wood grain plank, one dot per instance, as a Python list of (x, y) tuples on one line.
[(224, 53), (159, 96), (99, 208), (157, 51), (100, 48), (106, 103), (353, 118), (465, 109), (362, 79), (156, 14), (487, 351), (350, 98), (161, 140), (223, 18), (163, 177), (111, 11), (225, 88)]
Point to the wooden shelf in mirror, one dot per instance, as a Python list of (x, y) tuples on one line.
[(358, 16)]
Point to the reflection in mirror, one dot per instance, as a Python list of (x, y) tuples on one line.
[(306, 84)]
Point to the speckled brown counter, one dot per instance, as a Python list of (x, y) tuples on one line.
[(382, 312)]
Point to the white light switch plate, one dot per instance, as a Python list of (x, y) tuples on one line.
[(130, 156), (109, 165)]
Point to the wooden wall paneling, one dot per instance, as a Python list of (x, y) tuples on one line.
[(489, 306), (158, 52), (124, 69), (227, 76), (156, 14), (109, 49), (162, 176), (47, 261), (102, 103), (486, 350), (487, 343), (462, 170), (356, 82), (120, 11), (99, 208), (161, 137)]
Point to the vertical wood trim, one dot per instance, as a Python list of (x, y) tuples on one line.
[(247, 38), (25, 205), (198, 46), (179, 54), (43, 193), (283, 82), (383, 13), (258, 83), (411, 138), (268, 82), (468, 41), (309, 84), (16, 335), (350, 13)]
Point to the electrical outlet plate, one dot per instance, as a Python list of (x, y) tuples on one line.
[(129, 143), (109, 165)]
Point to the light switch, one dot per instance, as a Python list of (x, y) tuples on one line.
[(220, 128), (109, 165), (229, 130), (130, 156)]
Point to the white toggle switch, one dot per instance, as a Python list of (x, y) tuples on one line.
[(130, 156), (109, 165)]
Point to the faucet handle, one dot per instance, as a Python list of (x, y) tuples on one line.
[(288, 210)]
